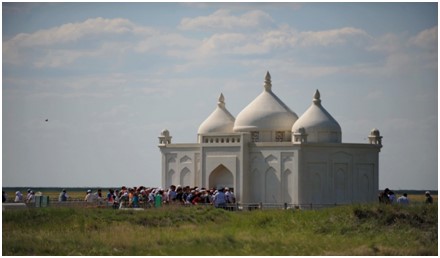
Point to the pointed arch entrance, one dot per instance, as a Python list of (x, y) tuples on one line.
[(221, 177)]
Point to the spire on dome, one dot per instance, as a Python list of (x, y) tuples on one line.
[(317, 97), (267, 82), (219, 121), (221, 101)]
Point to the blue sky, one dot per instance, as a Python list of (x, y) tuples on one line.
[(110, 77)]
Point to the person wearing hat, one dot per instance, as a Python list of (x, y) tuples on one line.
[(31, 198), (428, 198), (28, 193), (63, 196), (18, 197), (89, 196)]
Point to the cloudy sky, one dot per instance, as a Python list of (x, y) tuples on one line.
[(109, 77)]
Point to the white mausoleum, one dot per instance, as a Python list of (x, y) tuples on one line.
[(268, 154)]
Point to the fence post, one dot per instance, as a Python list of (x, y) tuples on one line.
[(261, 205), (285, 205)]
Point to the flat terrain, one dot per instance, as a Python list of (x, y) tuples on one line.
[(344, 230)]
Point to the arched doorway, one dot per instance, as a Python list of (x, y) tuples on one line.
[(221, 177)]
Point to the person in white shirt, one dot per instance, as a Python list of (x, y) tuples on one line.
[(230, 197), (31, 197), (18, 197), (90, 197), (403, 199)]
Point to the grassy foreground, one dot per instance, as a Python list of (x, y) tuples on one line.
[(349, 230)]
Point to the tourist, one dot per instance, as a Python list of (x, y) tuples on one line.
[(110, 196), (63, 196), (204, 195), (391, 197), (144, 198), (28, 193), (98, 196), (89, 196), (130, 197), (165, 196), (186, 192), (116, 199), (230, 197), (135, 200), (158, 199), (383, 196), (18, 197), (403, 199), (190, 197), (4, 196), (31, 197), (428, 198), (172, 194), (123, 199), (151, 197), (219, 199), (179, 194)]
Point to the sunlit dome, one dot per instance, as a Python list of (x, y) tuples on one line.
[(319, 125), (265, 113), (220, 121)]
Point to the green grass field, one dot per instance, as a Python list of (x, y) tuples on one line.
[(345, 230)]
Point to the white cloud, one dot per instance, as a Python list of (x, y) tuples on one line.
[(172, 41), (53, 47), (222, 19), (426, 39), (72, 32), (57, 58), (386, 43), (331, 37), (221, 43)]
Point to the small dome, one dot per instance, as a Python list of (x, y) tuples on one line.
[(318, 123), (220, 121), (265, 113), (165, 132), (375, 132)]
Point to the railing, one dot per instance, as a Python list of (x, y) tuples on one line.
[(148, 205), (221, 139)]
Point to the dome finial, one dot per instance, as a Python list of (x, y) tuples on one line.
[(317, 97), (267, 82), (221, 101)]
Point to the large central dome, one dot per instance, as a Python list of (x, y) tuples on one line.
[(265, 113)]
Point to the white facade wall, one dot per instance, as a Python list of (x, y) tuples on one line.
[(276, 172), (338, 173)]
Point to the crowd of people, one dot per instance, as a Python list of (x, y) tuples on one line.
[(29, 198), (145, 197), (389, 197)]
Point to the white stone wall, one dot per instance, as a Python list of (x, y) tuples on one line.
[(180, 165), (342, 174), (273, 173), (277, 172)]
